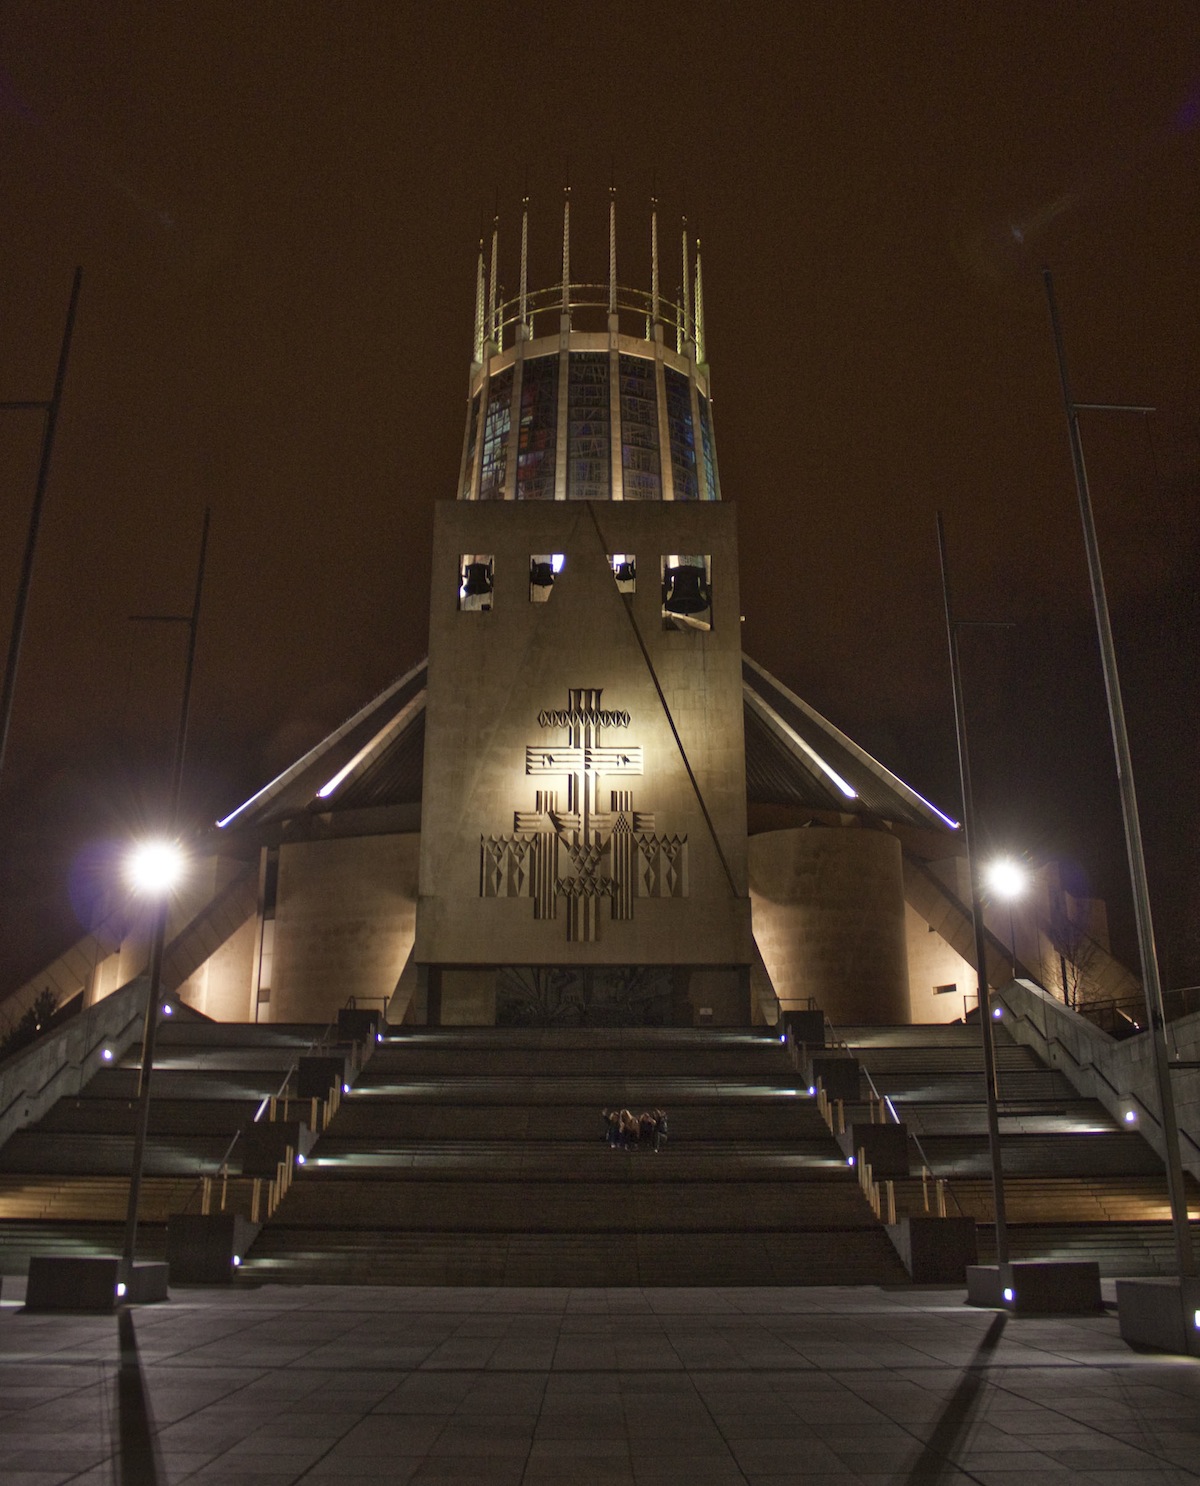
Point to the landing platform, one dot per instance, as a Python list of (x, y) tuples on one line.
[(629, 1387)]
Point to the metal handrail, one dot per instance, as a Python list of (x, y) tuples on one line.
[(883, 1099), (587, 297), (268, 1100)]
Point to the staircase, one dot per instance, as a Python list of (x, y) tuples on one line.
[(64, 1181), (476, 1156), (1077, 1184)]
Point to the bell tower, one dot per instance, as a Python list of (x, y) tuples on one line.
[(583, 841)]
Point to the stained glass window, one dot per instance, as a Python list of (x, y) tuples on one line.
[(495, 436), (588, 427), (472, 431), (706, 446), (539, 429), (639, 429), (683, 438)]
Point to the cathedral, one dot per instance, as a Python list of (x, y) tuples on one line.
[(588, 806)]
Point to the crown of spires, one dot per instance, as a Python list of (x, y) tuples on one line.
[(493, 316)]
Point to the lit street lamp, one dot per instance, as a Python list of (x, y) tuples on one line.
[(154, 869), (1008, 881)]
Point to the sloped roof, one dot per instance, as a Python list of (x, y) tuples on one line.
[(375, 758), (794, 756)]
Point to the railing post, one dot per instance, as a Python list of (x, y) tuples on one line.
[(224, 1184), (890, 1189), (205, 1196), (841, 1117), (941, 1197)]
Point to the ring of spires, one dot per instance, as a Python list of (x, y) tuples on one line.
[(497, 318)]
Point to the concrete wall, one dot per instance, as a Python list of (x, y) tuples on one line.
[(933, 961), (491, 675), (829, 920), (1119, 1074), (344, 923), (222, 986)]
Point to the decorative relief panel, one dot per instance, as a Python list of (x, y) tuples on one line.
[(584, 842)]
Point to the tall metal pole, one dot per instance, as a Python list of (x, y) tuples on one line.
[(35, 518), (992, 1090), (1151, 983), (159, 934)]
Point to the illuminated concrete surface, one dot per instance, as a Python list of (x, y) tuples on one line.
[(264, 1387)]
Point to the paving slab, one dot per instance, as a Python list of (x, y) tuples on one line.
[(279, 1385)]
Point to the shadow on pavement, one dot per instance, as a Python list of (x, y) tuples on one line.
[(138, 1445), (935, 1461)]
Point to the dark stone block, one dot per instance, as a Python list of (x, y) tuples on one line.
[(984, 1285), (77, 1283), (316, 1075), (358, 1026), (839, 1076), (1162, 1315), (884, 1147), (805, 1026), (1038, 1287), (264, 1145), (935, 1250), (1069, 1287), (202, 1250)]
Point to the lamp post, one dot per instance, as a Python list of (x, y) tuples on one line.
[(1008, 881), (991, 1081), (1148, 955), (50, 409), (156, 867)]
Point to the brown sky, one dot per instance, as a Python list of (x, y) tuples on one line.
[(276, 208)]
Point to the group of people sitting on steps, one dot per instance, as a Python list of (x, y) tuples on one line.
[(625, 1131)]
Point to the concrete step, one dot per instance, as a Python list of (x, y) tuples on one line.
[(383, 1257), (21, 1239), (467, 1206), (1120, 1248)]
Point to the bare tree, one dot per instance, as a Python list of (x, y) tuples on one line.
[(1077, 953)]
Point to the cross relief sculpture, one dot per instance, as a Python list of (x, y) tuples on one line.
[(577, 843)]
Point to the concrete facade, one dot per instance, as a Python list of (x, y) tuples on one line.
[(344, 923), (829, 921), (495, 675)]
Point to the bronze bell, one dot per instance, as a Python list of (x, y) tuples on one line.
[(476, 579), (685, 591)]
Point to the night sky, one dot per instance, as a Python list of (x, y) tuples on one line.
[(277, 206)]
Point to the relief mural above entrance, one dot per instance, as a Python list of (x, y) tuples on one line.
[(583, 842)]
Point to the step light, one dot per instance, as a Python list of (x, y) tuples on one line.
[(345, 1088), (237, 1260), (1130, 1117), (168, 1009), (299, 1158), (812, 1089), (1009, 1296), (120, 1289), (997, 1013), (849, 1160), (107, 1054)]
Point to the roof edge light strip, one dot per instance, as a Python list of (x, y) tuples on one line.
[(326, 743), (385, 734), (794, 737), (848, 743)]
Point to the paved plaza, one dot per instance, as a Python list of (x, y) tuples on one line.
[(274, 1385)]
